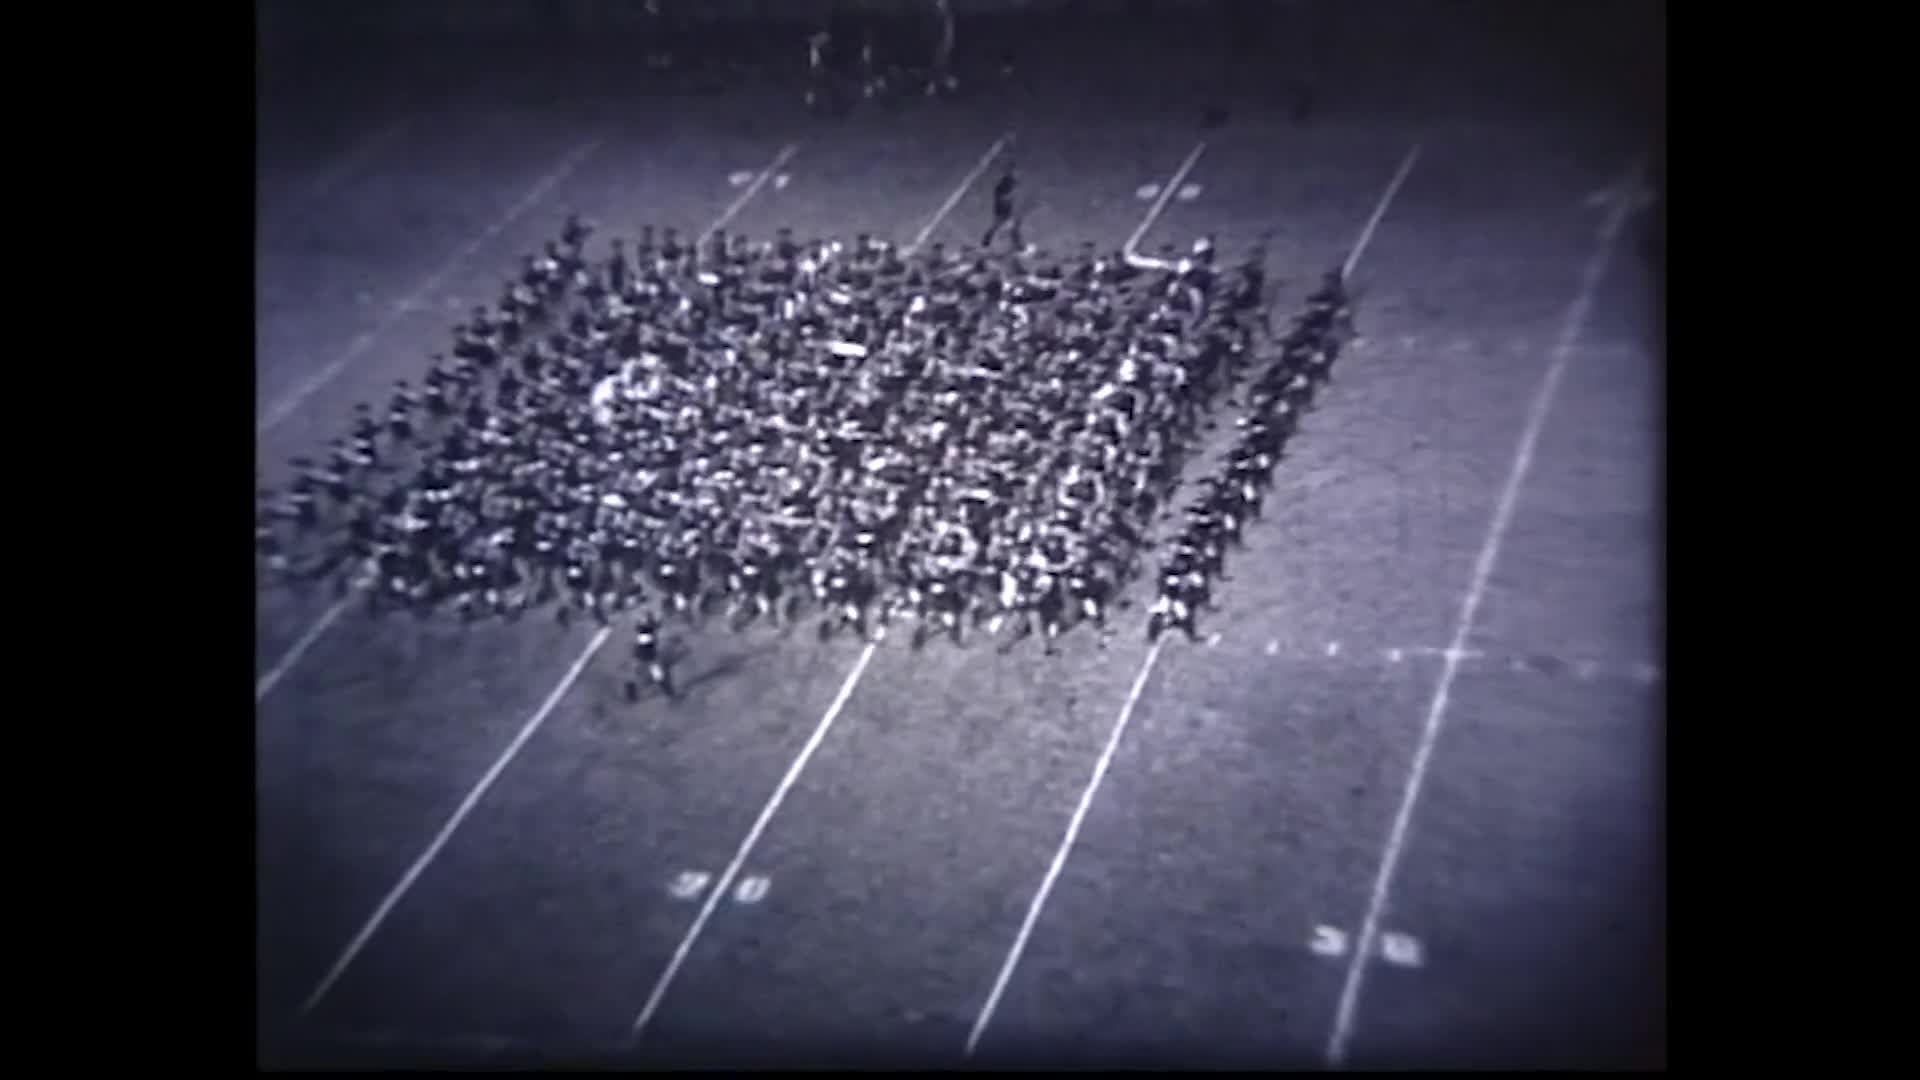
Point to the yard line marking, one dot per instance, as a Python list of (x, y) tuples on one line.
[(953, 200), (287, 405), (446, 832), (1119, 727), (1380, 211), (265, 684), (1066, 848), (349, 163), (723, 886), (753, 189), (1153, 214), (1576, 318)]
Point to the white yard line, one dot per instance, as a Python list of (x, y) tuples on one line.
[(719, 889), (440, 839), (1343, 1022), (533, 725), (953, 200), (278, 412), (1059, 862), (1380, 211), (1130, 251), (265, 684), (327, 179), (1060, 856)]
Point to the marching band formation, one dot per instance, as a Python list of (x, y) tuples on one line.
[(956, 441)]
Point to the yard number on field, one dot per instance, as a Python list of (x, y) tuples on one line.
[(1150, 192), (742, 177), (1329, 941), (1400, 950), (689, 884)]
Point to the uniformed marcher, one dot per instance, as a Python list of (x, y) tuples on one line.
[(1003, 210), (649, 660)]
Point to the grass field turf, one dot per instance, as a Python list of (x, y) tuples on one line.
[(1251, 797)]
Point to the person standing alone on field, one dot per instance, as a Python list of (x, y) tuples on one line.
[(819, 85), (1003, 210), (650, 666), (941, 79)]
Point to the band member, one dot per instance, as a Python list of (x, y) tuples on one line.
[(1003, 210), (649, 662)]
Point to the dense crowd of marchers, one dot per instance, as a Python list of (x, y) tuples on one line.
[(960, 440)]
